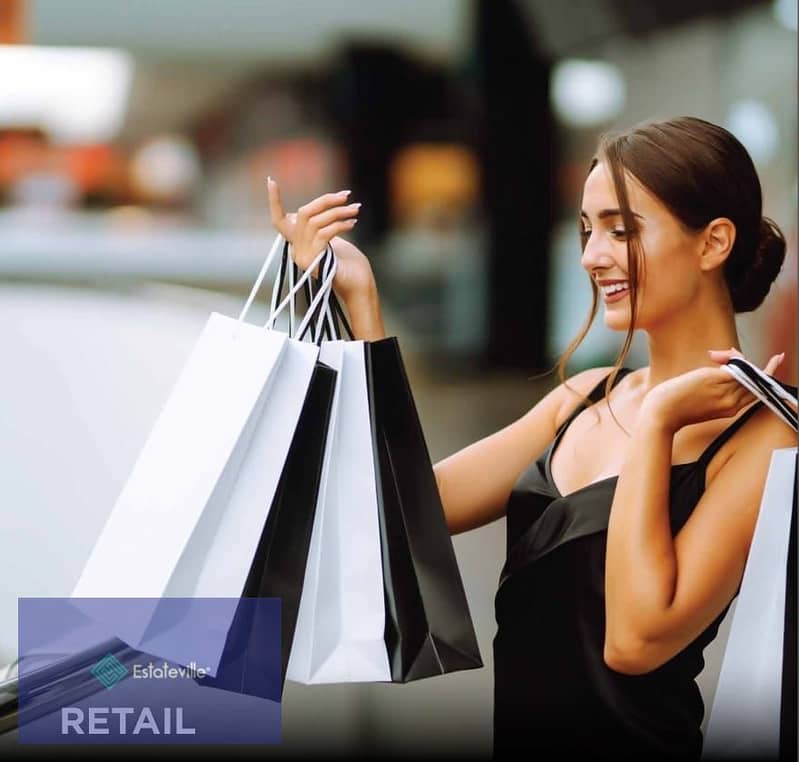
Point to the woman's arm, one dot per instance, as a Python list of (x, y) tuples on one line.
[(366, 319), (661, 592)]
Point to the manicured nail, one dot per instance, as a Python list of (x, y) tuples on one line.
[(344, 193), (355, 206), (781, 356)]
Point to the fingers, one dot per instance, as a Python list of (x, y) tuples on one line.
[(722, 356), (312, 227), (774, 363), (326, 234), (337, 214), (276, 212), (321, 204)]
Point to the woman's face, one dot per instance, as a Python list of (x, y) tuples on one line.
[(671, 273)]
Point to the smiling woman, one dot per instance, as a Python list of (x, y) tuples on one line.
[(668, 188), (628, 528)]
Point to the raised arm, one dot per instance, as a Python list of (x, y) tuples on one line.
[(475, 482)]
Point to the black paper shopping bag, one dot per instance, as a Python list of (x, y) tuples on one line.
[(429, 629), (278, 567)]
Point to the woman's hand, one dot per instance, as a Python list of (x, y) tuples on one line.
[(318, 223), (700, 394)]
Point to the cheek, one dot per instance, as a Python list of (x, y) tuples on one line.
[(668, 281)]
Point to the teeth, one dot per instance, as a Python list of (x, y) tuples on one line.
[(608, 290)]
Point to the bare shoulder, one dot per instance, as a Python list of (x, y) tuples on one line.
[(576, 388), (765, 431)]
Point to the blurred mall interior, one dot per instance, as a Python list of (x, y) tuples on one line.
[(135, 142)]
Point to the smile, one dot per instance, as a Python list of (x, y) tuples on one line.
[(615, 293)]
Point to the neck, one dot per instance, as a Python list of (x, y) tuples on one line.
[(676, 346)]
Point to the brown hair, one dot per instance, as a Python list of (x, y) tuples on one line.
[(699, 171)]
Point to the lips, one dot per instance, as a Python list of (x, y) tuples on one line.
[(616, 295)]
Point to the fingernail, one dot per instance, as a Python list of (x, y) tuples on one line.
[(345, 192), (356, 206), (269, 179), (781, 356)]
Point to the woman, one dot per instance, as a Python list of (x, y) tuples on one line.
[(631, 495)]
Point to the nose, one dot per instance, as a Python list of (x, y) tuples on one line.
[(597, 253)]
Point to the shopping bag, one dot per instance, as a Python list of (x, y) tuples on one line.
[(278, 568), (754, 706), (203, 483), (746, 715), (341, 621), (279, 564), (788, 703), (383, 598), (429, 629)]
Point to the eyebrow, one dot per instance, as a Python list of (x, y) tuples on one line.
[(610, 213)]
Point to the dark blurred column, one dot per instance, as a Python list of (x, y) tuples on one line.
[(368, 104), (377, 100), (518, 155)]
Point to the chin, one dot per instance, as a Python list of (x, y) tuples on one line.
[(617, 322)]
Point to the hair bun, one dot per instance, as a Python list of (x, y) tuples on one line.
[(753, 284)]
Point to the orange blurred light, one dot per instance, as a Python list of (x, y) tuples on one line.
[(12, 22), (425, 175)]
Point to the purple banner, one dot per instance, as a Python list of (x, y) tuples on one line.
[(80, 682)]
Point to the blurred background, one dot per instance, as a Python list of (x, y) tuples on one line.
[(135, 142)]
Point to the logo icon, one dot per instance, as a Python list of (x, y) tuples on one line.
[(109, 671)]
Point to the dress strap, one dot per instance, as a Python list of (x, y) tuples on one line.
[(716, 444), (596, 394)]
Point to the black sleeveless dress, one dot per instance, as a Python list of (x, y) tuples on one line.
[(554, 696)]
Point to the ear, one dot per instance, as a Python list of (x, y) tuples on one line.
[(718, 238)]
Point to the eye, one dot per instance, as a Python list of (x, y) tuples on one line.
[(619, 233), (584, 234)]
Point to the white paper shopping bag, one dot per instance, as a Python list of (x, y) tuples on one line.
[(189, 460), (744, 722), (217, 558), (203, 483), (341, 622)]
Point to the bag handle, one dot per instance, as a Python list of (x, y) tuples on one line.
[(261, 275), (316, 305), (276, 309), (319, 302), (765, 388), (334, 318), (297, 287)]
